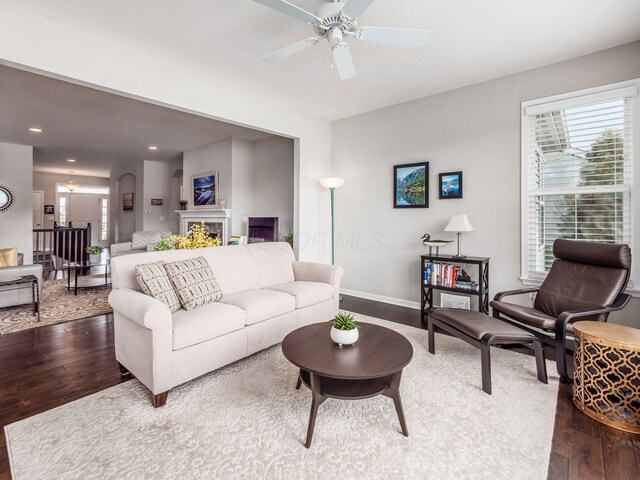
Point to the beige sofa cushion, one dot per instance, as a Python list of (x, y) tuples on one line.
[(204, 323), (273, 261), (233, 267), (305, 293), (154, 281), (194, 282), (260, 305)]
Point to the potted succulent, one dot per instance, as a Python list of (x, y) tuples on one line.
[(94, 252), (182, 204), (344, 330)]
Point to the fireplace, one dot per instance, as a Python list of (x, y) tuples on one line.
[(215, 221)]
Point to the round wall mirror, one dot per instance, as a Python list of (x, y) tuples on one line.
[(6, 198)]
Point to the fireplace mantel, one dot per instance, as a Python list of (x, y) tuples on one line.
[(218, 215)]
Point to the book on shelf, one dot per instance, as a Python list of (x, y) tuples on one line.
[(446, 275)]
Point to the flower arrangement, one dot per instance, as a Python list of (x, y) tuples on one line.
[(198, 237)]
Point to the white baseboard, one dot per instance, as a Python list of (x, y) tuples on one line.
[(381, 298)]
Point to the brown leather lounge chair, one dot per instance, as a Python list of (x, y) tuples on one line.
[(586, 282)]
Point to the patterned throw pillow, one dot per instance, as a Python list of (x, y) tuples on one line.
[(194, 282), (154, 281)]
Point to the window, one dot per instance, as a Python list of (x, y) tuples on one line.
[(577, 169), (104, 219), (62, 211), (85, 189)]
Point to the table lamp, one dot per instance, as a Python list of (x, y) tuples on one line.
[(459, 223)]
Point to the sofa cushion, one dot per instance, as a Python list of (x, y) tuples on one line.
[(8, 257), (154, 281), (305, 293), (204, 323), (140, 240), (261, 304), (194, 282), (273, 261)]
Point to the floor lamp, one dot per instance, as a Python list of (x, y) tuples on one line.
[(332, 184)]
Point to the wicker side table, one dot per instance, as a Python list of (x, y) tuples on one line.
[(607, 374)]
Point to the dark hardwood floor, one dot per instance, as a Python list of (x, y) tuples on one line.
[(47, 367)]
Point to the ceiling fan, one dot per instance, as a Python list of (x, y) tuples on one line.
[(335, 21)]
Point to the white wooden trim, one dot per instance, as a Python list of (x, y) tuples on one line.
[(381, 298)]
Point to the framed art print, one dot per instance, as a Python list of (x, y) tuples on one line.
[(411, 185), (204, 190), (127, 202), (450, 185)]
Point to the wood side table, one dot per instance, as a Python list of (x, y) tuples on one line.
[(370, 367), (19, 282), (607, 374)]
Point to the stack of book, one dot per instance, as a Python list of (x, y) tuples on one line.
[(446, 275)]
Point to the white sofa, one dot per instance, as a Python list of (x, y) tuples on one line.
[(266, 295)]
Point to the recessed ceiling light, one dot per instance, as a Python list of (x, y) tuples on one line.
[(71, 160), (35, 130), (152, 147)]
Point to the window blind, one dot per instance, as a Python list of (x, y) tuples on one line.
[(578, 174)]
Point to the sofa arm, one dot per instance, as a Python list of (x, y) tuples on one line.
[(119, 248), (142, 309), (317, 272)]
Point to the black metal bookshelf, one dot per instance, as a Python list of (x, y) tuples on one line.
[(426, 289)]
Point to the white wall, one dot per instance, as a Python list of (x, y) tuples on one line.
[(157, 184), (16, 173), (274, 180), (475, 129), (207, 158), (242, 200), (47, 181), (26, 40)]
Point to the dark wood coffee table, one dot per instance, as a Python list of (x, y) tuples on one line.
[(372, 366)]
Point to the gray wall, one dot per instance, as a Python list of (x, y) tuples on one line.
[(255, 178), (475, 129), (16, 173), (273, 172)]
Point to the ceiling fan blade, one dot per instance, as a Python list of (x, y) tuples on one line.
[(355, 8), (395, 36), (289, 50), (289, 9), (343, 62)]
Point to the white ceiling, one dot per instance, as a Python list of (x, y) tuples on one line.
[(471, 41), (96, 128)]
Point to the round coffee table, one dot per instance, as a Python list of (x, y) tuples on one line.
[(372, 366)]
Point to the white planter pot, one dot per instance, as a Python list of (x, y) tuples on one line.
[(344, 337), (95, 258)]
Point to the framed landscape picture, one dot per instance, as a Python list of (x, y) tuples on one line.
[(450, 185), (205, 190), (411, 185)]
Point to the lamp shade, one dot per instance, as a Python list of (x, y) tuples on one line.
[(332, 182), (459, 223)]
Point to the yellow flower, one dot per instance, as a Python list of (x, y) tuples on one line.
[(198, 237)]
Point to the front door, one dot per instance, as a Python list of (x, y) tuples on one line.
[(87, 208)]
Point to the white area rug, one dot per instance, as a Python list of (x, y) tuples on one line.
[(247, 421)]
